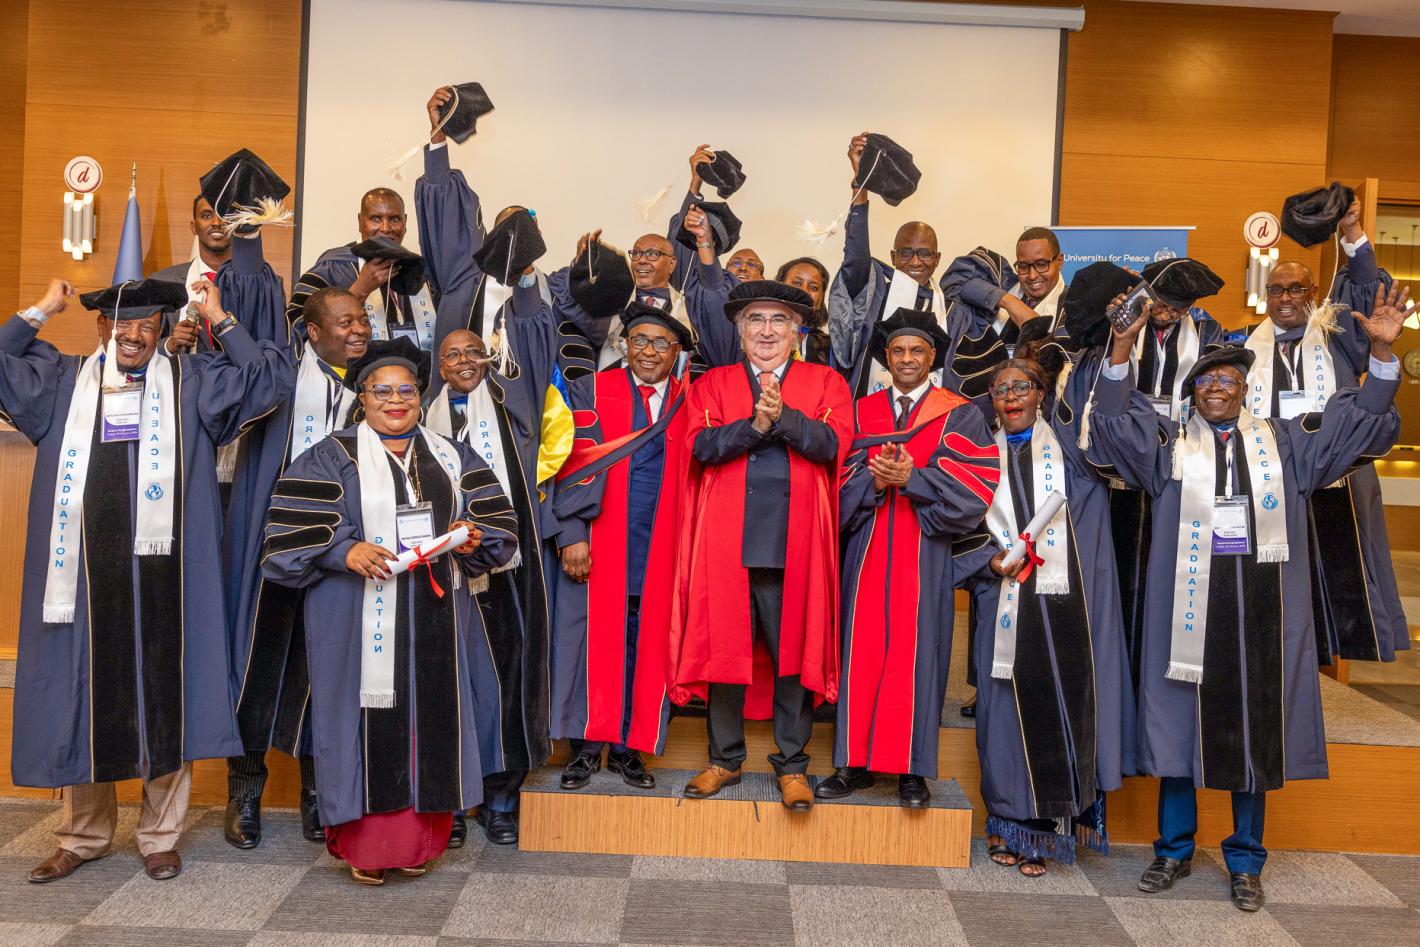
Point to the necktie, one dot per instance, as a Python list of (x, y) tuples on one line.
[(646, 392), (765, 378), (654, 301), (903, 411)]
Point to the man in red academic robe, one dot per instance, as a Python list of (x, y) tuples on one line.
[(618, 506), (768, 436)]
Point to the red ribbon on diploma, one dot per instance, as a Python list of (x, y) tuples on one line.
[(1032, 559), (421, 559)]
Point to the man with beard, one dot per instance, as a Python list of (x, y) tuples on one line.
[(268, 637)]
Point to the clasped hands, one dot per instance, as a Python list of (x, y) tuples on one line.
[(891, 467)]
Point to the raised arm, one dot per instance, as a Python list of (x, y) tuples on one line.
[(253, 292), (685, 258), (706, 290), (448, 212), (1126, 433), (243, 383), (30, 370)]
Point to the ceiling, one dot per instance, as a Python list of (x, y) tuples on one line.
[(1376, 17)]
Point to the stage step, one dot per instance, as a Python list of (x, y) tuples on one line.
[(744, 821)]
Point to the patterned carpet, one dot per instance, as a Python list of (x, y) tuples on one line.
[(288, 891)]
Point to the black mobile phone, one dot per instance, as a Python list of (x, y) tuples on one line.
[(1124, 315)]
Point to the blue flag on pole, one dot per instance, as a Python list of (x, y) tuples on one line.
[(130, 245)]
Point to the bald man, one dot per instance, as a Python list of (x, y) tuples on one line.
[(866, 290)]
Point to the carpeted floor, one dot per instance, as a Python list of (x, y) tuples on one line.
[(288, 891)]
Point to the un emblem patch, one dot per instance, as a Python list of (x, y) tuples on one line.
[(1269, 501), (154, 492), (1005, 621)]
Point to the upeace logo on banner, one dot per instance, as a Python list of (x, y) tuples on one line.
[(1130, 247)]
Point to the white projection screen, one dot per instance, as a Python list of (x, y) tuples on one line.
[(600, 104)]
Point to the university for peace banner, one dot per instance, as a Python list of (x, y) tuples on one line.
[(1130, 247)]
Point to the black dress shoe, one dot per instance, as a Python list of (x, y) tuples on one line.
[(845, 781), (968, 709), (579, 770), (458, 832), (1247, 891), (500, 827), (912, 791), (631, 768), (1163, 872), (243, 825), (310, 818)]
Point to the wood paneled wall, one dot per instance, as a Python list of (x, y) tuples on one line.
[(1170, 115), (1375, 108)]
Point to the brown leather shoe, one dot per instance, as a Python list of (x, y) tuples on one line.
[(414, 872), (794, 787), (161, 866), (61, 864), (374, 876), (710, 781)]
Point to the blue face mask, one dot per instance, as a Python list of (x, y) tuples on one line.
[(527, 279)]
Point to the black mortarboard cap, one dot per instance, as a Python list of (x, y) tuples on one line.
[(600, 280), (724, 227), (136, 299), (920, 323), (768, 290), (467, 106), (410, 278), (1037, 340), (1311, 216), (886, 169), (241, 180), (1086, 301), (511, 247), (725, 174), (638, 312), (1236, 355), (378, 354), (1181, 282)]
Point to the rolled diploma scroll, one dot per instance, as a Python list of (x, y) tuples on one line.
[(432, 549), (1043, 516)]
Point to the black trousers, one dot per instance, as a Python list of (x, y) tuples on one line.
[(793, 705), (246, 775)]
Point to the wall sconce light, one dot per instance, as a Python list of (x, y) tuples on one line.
[(1259, 266), (80, 226)]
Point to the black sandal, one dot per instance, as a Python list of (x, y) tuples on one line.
[(1025, 863), (998, 850)]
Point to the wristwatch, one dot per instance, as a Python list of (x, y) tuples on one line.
[(222, 327)]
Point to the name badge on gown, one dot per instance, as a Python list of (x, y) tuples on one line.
[(1231, 536), (1291, 404), (122, 407), (414, 524), (1162, 405), (404, 330)]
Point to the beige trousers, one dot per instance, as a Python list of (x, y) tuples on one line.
[(91, 815)]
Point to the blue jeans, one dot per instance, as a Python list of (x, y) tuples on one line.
[(1178, 823)]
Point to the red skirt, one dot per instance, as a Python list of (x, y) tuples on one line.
[(403, 839)]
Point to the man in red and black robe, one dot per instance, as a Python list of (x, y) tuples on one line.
[(923, 470), (768, 436), (618, 503)]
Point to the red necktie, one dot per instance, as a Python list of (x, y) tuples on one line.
[(765, 378), (646, 392), (211, 277)]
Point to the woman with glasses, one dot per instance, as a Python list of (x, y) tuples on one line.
[(392, 712), (1055, 710), (811, 276)]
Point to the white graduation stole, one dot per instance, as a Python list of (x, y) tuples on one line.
[(320, 404), (902, 294), (1317, 371), (423, 324), (1187, 355)]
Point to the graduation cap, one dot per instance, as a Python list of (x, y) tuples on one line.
[(724, 227), (1181, 282), (378, 354), (511, 247), (1087, 299), (1311, 216), (725, 174), (458, 117), (913, 322), (410, 277), (886, 169), (1215, 357), (136, 299), (768, 290), (243, 182), (638, 313), (1037, 341), (600, 280)]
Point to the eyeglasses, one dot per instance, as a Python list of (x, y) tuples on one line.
[(650, 256), (1294, 292), (1225, 382), (905, 254), (1022, 267), (749, 265), (639, 342), (452, 356), (383, 393), (757, 321), (1018, 388)]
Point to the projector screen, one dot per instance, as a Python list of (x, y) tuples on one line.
[(597, 106)]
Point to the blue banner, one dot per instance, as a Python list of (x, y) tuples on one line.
[(1130, 247)]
